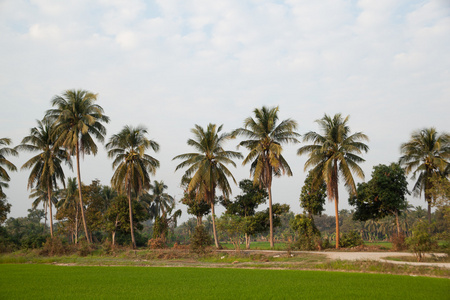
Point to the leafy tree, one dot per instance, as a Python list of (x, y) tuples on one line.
[(425, 155), (68, 208), (245, 204), (133, 165), (5, 209), (420, 241), (383, 195), (307, 232), (232, 227), (27, 232), (207, 166), (117, 216), (78, 119), (46, 166), (334, 154), (312, 198), (5, 164), (265, 138), (196, 206)]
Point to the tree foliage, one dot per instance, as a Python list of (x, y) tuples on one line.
[(312, 197)]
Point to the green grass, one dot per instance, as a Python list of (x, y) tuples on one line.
[(257, 246), (53, 282)]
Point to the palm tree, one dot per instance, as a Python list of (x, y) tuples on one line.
[(132, 165), (77, 119), (335, 154), (425, 155), (207, 165), (265, 145), (41, 196), (158, 202), (4, 163), (46, 166)]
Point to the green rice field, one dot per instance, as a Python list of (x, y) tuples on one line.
[(32, 281)]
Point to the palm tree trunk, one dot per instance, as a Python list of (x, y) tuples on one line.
[(214, 225), (49, 193), (398, 223), (45, 217), (429, 210), (79, 193), (269, 190), (133, 241), (336, 210), (76, 227)]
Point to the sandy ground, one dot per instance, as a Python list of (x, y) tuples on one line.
[(377, 256)]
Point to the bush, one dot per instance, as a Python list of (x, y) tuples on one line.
[(200, 240), (308, 234), (398, 242), (84, 249), (350, 239), (157, 243), (54, 246), (421, 240)]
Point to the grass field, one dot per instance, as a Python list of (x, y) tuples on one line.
[(283, 246), (32, 281)]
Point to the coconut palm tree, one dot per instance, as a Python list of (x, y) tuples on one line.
[(158, 202), (265, 138), (46, 166), (41, 196), (132, 166), (426, 155), (334, 155), (4, 163), (78, 119), (207, 165)]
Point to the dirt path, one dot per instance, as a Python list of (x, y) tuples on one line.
[(377, 256)]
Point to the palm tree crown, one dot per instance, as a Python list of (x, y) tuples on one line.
[(265, 139), (332, 154), (132, 165), (5, 163), (207, 165), (158, 202), (426, 155)]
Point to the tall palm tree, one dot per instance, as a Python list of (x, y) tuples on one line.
[(207, 165), (265, 141), (425, 155), (4, 163), (46, 166), (133, 166), (334, 154), (78, 119), (158, 202)]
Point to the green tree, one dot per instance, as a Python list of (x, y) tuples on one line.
[(196, 206), (78, 119), (312, 198), (207, 166), (158, 202), (384, 195), (245, 204), (132, 165), (426, 154), (334, 154), (68, 207), (265, 138), (46, 166), (5, 164), (5, 208), (40, 195)]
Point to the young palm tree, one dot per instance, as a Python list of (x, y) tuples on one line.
[(335, 154), (4, 163), (265, 145), (46, 166), (41, 196), (68, 201), (78, 119), (132, 165), (158, 202), (207, 165), (426, 155)]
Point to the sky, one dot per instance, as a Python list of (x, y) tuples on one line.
[(169, 65)]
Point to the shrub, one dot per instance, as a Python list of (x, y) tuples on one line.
[(200, 240), (157, 243), (84, 249), (308, 234), (54, 246), (421, 241), (398, 242), (350, 239)]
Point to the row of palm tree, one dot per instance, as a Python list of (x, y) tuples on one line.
[(69, 129)]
